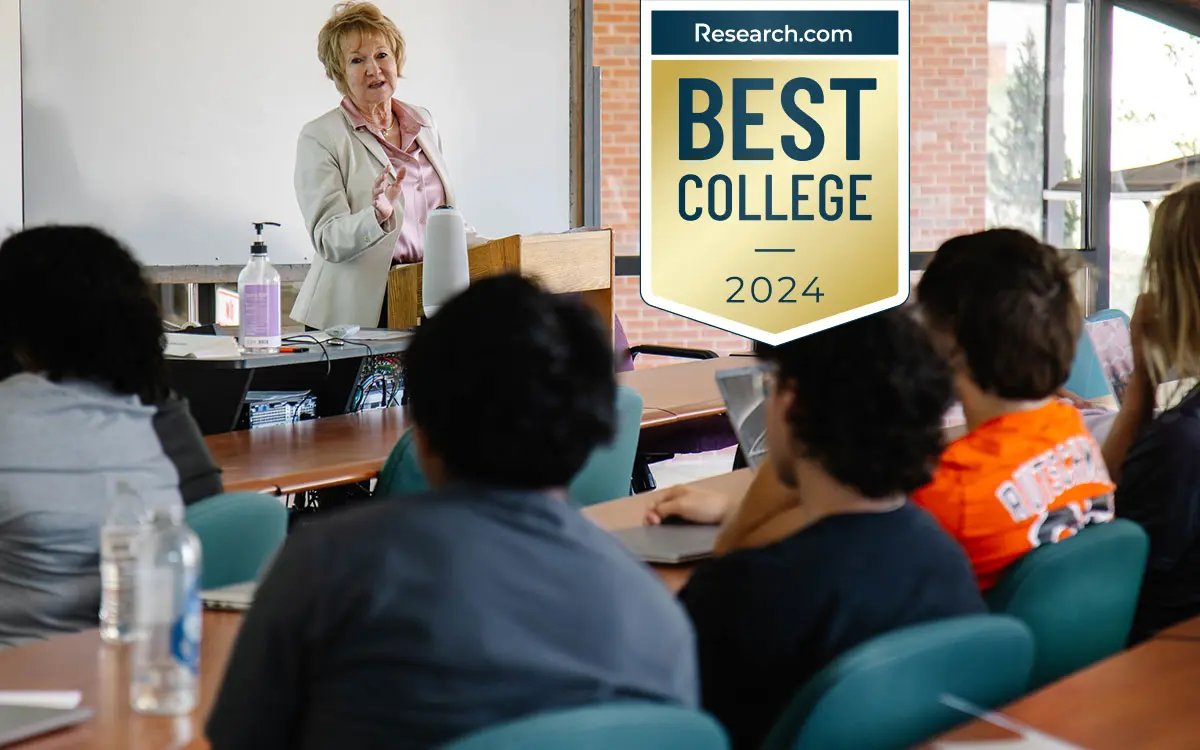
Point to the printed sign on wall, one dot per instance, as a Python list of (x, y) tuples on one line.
[(774, 162)]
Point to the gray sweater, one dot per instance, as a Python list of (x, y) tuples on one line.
[(62, 447)]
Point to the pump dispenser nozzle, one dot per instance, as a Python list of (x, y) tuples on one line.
[(259, 247)]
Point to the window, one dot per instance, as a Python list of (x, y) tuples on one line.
[(1156, 105), (1035, 114), (1016, 158)]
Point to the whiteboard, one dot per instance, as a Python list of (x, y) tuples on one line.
[(174, 124), (10, 116)]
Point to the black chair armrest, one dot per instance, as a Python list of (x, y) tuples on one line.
[(671, 351)]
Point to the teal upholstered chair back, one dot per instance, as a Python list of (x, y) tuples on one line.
[(1077, 596), (239, 533), (608, 471), (605, 476), (1091, 377), (886, 693), (401, 473), (611, 726)]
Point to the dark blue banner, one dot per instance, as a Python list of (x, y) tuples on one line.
[(697, 33)]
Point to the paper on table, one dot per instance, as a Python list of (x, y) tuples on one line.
[(197, 346), (377, 334), (65, 699), (369, 334), (1030, 739), (1036, 741)]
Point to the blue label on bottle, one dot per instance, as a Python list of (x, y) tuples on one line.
[(185, 633)]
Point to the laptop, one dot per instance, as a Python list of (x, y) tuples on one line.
[(670, 544), (745, 405), (237, 596), (20, 722)]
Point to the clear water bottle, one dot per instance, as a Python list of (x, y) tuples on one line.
[(128, 519), (166, 650)]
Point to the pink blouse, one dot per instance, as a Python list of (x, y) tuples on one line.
[(421, 186)]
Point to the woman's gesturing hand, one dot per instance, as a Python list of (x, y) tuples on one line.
[(385, 192)]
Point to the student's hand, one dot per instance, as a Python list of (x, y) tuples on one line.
[(1076, 401), (690, 503)]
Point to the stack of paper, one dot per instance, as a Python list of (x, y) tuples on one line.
[(198, 346)]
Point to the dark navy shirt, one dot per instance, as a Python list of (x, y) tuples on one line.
[(409, 622), (768, 619), (1160, 490)]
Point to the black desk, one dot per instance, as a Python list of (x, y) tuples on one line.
[(216, 388)]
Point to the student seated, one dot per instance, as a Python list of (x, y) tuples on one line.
[(825, 551), (177, 430), (183, 442), (1002, 310), (1155, 459), (411, 621), (82, 330)]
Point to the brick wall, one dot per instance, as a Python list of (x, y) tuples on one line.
[(950, 60), (949, 160)]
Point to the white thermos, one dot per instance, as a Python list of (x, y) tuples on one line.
[(445, 272)]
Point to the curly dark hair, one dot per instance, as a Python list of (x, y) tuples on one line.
[(1008, 301), (91, 316), (869, 400), (512, 386)]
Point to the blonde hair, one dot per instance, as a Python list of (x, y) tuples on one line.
[(1172, 275), (349, 18)]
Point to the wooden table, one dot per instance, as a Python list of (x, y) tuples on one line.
[(1188, 630), (687, 390), (83, 662), (308, 455), (101, 672), (1145, 698), (317, 453)]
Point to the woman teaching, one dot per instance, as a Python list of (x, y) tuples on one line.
[(368, 173)]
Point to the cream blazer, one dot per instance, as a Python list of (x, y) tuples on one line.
[(336, 169)]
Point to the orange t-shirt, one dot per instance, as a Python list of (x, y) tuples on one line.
[(1016, 482)]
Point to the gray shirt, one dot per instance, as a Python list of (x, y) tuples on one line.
[(411, 621), (63, 447)]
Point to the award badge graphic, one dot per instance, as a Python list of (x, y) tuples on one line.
[(774, 162)]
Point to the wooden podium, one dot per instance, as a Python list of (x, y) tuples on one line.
[(569, 263)]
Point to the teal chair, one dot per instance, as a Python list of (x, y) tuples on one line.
[(1077, 596), (609, 726), (401, 473), (239, 532), (605, 476), (885, 694), (609, 469)]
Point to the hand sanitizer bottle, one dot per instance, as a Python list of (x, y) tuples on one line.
[(258, 299)]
